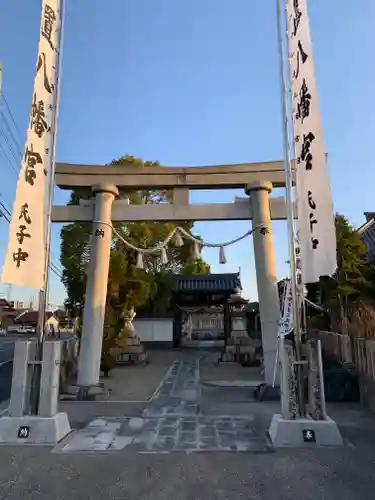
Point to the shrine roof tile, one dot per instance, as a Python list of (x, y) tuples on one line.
[(209, 283)]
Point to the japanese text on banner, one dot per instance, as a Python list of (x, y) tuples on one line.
[(314, 199), (25, 257)]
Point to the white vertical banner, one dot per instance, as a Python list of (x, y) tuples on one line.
[(25, 258), (314, 200), (286, 322)]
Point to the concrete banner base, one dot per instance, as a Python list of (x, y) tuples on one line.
[(304, 432), (34, 430)]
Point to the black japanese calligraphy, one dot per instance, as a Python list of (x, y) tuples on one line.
[(301, 59), (42, 63), (312, 203), (30, 176), (32, 158), (38, 118), (19, 257), (24, 214), (49, 20), (99, 232), (297, 17), (303, 105), (314, 243), (306, 155), (21, 235), (312, 221)]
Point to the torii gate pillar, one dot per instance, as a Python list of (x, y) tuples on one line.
[(96, 288), (264, 253)]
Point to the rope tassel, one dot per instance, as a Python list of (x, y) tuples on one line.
[(178, 241), (140, 260), (222, 257), (163, 256)]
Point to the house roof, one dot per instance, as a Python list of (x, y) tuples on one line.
[(367, 234), (237, 299), (31, 317), (209, 283), (370, 222), (4, 303)]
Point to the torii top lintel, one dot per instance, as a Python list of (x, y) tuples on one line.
[(69, 176)]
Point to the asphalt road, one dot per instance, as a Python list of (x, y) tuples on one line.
[(6, 349), (6, 367)]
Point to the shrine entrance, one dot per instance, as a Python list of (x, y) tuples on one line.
[(101, 188), (201, 309)]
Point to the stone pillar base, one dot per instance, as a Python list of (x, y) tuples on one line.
[(304, 432), (240, 348), (34, 429), (265, 392), (83, 393), (131, 350)]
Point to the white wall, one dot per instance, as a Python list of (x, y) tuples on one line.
[(154, 330)]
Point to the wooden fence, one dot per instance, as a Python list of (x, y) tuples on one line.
[(360, 354)]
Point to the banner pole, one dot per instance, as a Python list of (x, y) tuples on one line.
[(43, 293), (277, 357), (290, 214)]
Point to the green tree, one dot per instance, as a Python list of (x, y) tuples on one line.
[(74, 257), (354, 279)]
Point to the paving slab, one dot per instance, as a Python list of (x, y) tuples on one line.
[(171, 421)]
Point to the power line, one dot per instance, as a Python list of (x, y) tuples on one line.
[(9, 160), (11, 115), (11, 133), (3, 205), (9, 145)]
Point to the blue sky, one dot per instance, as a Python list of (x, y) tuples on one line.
[(195, 83)]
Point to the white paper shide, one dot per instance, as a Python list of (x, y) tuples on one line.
[(314, 199), (25, 257)]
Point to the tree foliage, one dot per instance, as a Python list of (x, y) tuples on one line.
[(128, 286), (354, 280)]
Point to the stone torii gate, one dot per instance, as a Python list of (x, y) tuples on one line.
[(103, 184)]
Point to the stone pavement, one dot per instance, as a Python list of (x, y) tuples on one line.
[(171, 421)]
